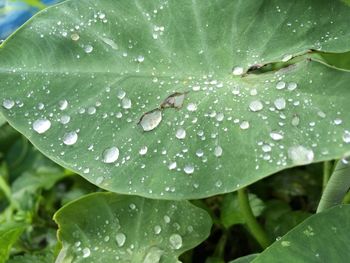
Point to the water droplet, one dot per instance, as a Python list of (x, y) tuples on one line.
[(75, 37), (189, 169), (292, 86), (276, 136), (143, 150), (172, 165), (180, 134), (153, 255), (41, 125), (266, 148), (70, 138), (110, 155), (140, 59), (285, 243), (8, 104), (338, 121), (120, 238), (346, 137), (280, 103), (86, 252), (175, 241), (88, 49), (256, 105), (121, 94), (63, 104), (287, 57), (300, 155), (192, 107), (218, 151), (199, 153), (157, 229), (126, 103), (237, 71), (244, 125), (110, 43), (280, 85), (151, 120), (295, 120)]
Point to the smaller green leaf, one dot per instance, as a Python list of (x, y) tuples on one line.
[(230, 210), (105, 227), (9, 234), (323, 237), (36, 258)]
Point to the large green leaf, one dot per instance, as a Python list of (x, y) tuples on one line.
[(323, 237), (106, 227), (94, 78)]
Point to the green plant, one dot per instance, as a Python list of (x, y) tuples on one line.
[(181, 100)]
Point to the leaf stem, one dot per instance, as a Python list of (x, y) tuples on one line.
[(337, 186), (254, 227), (327, 166)]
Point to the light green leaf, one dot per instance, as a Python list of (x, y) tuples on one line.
[(323, 237), (101, 74), (230, 209), (106, 227), (245, 259), (9, 234)]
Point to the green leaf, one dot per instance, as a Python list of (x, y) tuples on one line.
[(323, 237), (230, 210), (9, 234), (114, 68), (37, 258), (112, 227)]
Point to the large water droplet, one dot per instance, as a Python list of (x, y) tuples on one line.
[(70, 138), (300, 155), (110, 155), (8, 104), (41, 125), (256, 105), (180, 134), (175, 241), (120, 238), (151, 120)]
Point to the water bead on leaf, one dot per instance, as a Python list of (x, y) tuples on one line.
[(41, 125), (110, 155)]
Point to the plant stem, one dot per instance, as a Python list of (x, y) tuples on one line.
[(254, 227), (338, 185), (327, 166)]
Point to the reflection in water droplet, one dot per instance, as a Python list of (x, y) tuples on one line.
[(110, 155), (256, 105), (237, 71), (300, 155), (120, 238), (151, 120), (175, 241), (70, 138), (41, 125), (180, 134), (8, 104)]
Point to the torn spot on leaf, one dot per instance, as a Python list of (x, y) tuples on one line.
[(174, 101)]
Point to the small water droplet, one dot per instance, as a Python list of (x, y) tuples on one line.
[(256, 105), (244, 125), (172, 166), (110, 155), (338, 121), (140, 59), (192, 107), (180, 134), (143, 150), (280, 85), (110, 43), (126, 103), (151, 120), (266, 148), (280, 103), (41, 125), (86, 252), (295, 120), (292, 86), (285, 243), (75, 37), (237, 71), (218, 151), (346, 137), (8, 104), (276, 136), (88, 49), (120, 238), (189, 169), (175, 241), (70, 138), (157, 229), (63, 104)]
